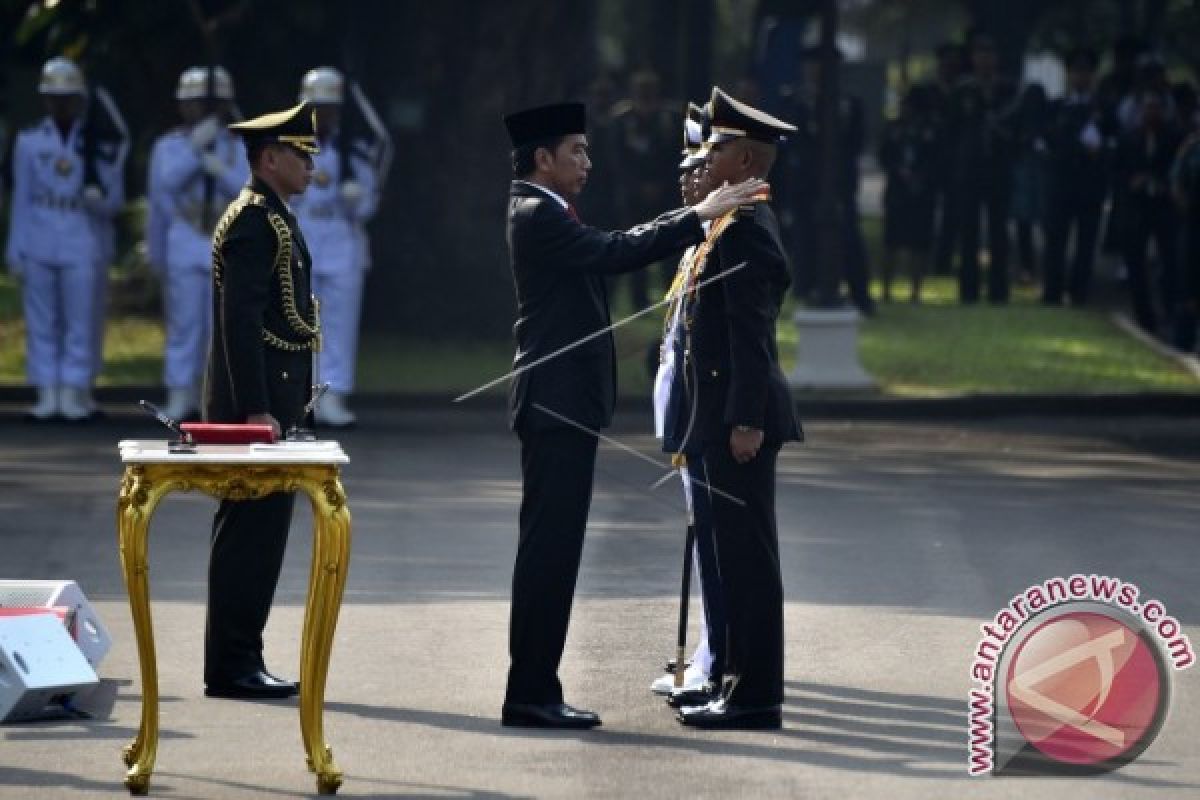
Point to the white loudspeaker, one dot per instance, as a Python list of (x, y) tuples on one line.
[(85, 627), (40, 666)]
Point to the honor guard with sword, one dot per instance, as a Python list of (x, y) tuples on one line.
[(265, 333), (68, 185), (564, 384), (730, 406), (333, 213), (688, 683), (196, 170)]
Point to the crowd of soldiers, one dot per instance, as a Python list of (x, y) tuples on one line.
[(971, 162), (68, 186), (1109, 166)]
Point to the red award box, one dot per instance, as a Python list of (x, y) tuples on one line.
[(228, 433)]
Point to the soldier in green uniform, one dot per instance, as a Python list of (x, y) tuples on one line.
[(265, 330)]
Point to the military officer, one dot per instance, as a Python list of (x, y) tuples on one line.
[(196, 170), (732, 408), (557, 402), (67, 188), (333, 213), (265, 329), (704, 671)]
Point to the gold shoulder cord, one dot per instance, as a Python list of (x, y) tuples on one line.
[(310, 329), (246, 198), (692, 265)]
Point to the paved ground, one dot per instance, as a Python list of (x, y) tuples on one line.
[(898, 540)]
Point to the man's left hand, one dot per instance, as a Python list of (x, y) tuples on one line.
[(744, 443)]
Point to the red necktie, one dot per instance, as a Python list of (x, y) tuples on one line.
[(573, 214)]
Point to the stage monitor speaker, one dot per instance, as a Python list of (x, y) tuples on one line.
[(82, 622), (41, 668)]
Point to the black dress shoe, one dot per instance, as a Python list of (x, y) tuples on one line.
[(701, 696), (259, 685), (726, 715), (547, 715)]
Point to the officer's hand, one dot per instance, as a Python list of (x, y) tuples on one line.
[(212, 164), (205, 132), (93, 198), (727, 198), (744, 443), (352, 192), (266, 419)]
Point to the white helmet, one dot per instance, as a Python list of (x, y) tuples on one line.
[(321, 86), (60, 76), (193, 84)]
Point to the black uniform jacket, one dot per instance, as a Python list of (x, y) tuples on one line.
[(731, 374), (260, 360), (558, 268)]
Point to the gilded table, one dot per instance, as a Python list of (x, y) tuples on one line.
[(238, 472)]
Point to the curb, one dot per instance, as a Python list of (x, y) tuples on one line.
[(122, 401)]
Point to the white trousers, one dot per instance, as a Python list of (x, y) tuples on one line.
[(340, 294), (61, 323), (187, 308)]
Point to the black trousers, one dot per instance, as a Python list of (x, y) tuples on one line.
[(1147, 220), (1081, 211), (748, 556), (248, 542), (991, 201), (557, 467), (711, 592)]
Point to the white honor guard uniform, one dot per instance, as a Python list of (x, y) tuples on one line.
[(60, 242), (198, 161), (697, 672), (342, 197)]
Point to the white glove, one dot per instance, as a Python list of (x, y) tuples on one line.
[(1090, 137), (212, 164), (352, 193), (93, 198), (205, 132)]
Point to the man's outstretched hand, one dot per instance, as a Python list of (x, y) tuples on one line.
[(727, 198)]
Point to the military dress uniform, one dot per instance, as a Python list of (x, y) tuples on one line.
[(195, 172), (265, 329), (732, 379), (558, 266), (708, 658), (59, 244), (333, 213)]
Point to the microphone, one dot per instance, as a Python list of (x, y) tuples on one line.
[(171, 424)]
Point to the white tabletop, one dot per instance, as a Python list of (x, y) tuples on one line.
[(154, 451)]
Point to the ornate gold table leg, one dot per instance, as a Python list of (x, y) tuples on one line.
[(327, 581), (135, 505)]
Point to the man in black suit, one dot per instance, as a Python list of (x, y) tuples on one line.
[(1078, 141), (733, 409), (260, 371), (558, 267)]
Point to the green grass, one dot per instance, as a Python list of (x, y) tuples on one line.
[(936, 348), (942, 348)]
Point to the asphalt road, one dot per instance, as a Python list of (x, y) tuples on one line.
[(898, 540)]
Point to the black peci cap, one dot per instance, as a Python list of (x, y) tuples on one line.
[(545, 122)]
